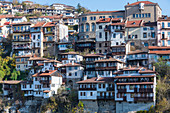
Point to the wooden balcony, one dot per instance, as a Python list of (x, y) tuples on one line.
[(122, 90), (107, 68), (105, 97), (143, 99), (87, 88), (110, 89), (146, 90)]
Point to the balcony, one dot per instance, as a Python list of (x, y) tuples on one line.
[(143, 99), (110, 89), (21, 31), (106, 68), (45, 81), (22, 40), (23, 47), (137, 58), (87, 88), (146, 90), (122, 90), (105, 97)]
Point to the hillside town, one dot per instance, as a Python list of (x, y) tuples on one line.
[(107, 57)]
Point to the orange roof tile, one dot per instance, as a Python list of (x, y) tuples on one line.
[(46, 91), (137, 3), (160, 52), (70, 65), (119, 23), (136, 23), (49, 24), (38, 58), (98, 12), (137, 52), (104, 20), (10, 82), (39, 24), (158, 47), (45, 73)]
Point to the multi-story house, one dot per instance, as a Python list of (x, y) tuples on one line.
[(157, 52), (17, 9), (109, 32), (163, 25), (21, 43), (70, 21), (97, 94), (87, 24), (132, 89), (135, 89), (143, 10), (10, 87), (22, 62), (140, 34), (16, 19), (51, 65), (37, 38), (137, 57), (44, 85), (107, 67), (70, 57), (53, 33), (89, 62), (73, 73)]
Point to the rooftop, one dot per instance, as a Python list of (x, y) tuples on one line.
[(46, 73), (99, 80), (109, 60), (145, 2), (136, 23)]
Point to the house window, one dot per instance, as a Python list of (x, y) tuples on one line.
[(145, 29), (153, 34), (103, 85), (168, 42), (100, 27), (87, 27), (69, 74), (136, 36), (146, 15), (100, 45), (133, 15), (136, 15), (163, 43), (75, 73), (93, 26), (144, 35), (168, 24), (114, 35), (100, 35), (99, 85), (151, 28), (146, 44), (163, 24), (117, 43), (81, 93), (91, 93), (38, 36), (132, 44), (121, 36), (139, 15), (70, 68), (149, 15)]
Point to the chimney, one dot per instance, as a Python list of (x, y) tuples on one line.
[(85, 77), (153, 68)]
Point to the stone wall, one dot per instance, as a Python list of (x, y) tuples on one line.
[(126, 107), (100, 106)]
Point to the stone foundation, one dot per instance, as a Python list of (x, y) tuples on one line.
[(102, 106), (126, 107)]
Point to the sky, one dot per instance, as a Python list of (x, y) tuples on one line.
[(105, 5)]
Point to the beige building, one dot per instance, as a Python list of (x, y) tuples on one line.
[(143, 10), (87, 22)]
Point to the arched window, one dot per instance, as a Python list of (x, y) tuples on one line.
[(87, 27), (93, 26), (82, 27)]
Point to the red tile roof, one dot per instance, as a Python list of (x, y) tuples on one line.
[(134, 76), (145, 2), (71, 65), (39, 24), (160, 52), (38, 58), (49, 24), (157, 47), (136, 23), (49, 73), (98, 12), (46, 91), (104, 20), (10, 82), (119, 23)]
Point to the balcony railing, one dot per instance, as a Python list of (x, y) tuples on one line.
[(105, 97), (87, 88), (21, 31), (24, 47), (110, 89), (21, 40), (106, 68), (122, 90), (143, 99), (146, 90)]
